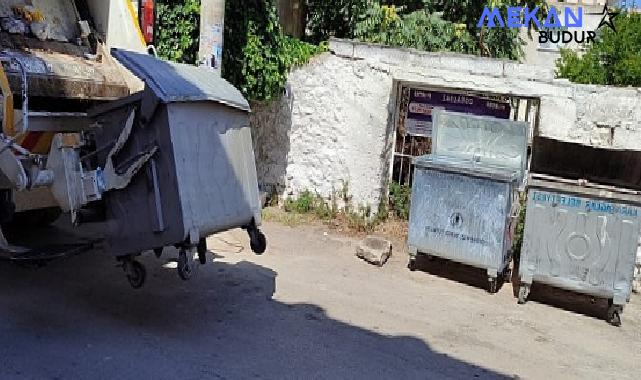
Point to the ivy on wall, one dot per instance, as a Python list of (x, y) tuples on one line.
[(178, 30), (257, 55)]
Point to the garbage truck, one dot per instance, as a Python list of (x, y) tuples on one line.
[(106, 148)]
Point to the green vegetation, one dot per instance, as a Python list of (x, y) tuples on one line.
[(400, 197), (307, 203), (333, 18), (614, 59), (419, 30), (311, 203), (490, 42), (257, 56), (178, 30), (431, 25)]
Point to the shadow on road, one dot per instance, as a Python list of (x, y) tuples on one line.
[(563, 299), (78, 318), (553, 297), (453, 271)]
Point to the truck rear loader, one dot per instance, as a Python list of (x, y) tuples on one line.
[(126, 153)]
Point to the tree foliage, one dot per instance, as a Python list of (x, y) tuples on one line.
[(418, 29), (491, 42), (422, 24), (613, 59), (178, 30), (333, 18)]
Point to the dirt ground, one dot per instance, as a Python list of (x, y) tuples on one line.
[(307, 309)]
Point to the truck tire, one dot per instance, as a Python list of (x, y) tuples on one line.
[(35, 218)]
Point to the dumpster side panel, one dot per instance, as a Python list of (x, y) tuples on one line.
[(459, 217), (581, 244), (216, 166), (147, 214)]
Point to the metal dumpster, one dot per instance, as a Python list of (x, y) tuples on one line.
[(464, 203), (200, 177), (581, 236)]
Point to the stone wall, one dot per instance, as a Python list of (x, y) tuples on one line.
[(334, 126), (327, 133)]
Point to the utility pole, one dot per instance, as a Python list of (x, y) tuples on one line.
[(212, 26)]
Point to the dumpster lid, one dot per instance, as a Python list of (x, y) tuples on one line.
[(174, 82), (497, 143), (467, 167), (572, 161)]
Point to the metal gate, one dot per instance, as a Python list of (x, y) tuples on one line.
[(415, 104)]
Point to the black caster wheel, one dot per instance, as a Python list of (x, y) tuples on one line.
[(202, 251), (614, 315), (136, 274), (257, 241), (412, 265), (524, 292), (493, 286), (185, 271), (158, 252)]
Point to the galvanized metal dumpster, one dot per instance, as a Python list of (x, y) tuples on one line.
[(465, 196), (582, 237), (201, 177)]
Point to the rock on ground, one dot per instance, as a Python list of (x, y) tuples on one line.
[(374, 250)]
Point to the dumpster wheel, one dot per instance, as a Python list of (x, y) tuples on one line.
[(136, 274), (614, 314), (185, 270), (257, 241), (202, 251), (493, 285)]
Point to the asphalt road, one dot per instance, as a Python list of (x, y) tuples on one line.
[(307, 309)]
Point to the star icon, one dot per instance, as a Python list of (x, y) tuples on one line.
[(608, 18)]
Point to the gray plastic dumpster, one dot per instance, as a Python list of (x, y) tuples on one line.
[(465, 196), (580, 235), (201, 177)]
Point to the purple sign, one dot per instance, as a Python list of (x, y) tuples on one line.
[(423, 102)]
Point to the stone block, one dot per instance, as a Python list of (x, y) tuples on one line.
[(341, 48), (374, 250)]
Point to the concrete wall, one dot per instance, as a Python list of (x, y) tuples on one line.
[(335, 124), (328, 132)]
